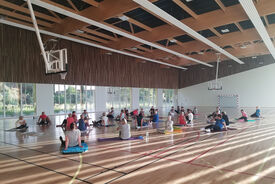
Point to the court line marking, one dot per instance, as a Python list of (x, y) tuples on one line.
[(31, 163), (212, 148), (78, 169), (62, 157)]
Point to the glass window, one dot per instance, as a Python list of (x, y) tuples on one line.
[(90, 98), (70, 98), (28, 99), (59, 99), (118, 98), (12, 99), (168, 97), (80, 98), (1, 99), (147, 98)]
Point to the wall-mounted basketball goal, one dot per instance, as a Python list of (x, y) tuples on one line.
[(216, 84), (55, 60)]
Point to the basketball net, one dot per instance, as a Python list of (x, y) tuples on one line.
[(216, 84)]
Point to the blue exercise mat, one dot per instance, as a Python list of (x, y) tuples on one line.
[(76, 149)]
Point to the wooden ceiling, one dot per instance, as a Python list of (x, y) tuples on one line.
[(223, 22)]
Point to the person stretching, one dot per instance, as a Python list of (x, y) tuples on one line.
[(244, 116), (20, 123), (257, 114), (218, 126), (43, 119), (156, 119), (226, 119), (190, 117), (169, 123), (124, 130), (70, 120), (182, 120), (72, 137)]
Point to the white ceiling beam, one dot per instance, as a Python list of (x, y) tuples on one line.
[(156, 10), (114, 30), (87, 43), (255, 18)]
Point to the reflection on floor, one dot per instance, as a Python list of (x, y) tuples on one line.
[(242, 156)]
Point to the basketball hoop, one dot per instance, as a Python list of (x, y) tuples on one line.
[(63, 75), (55, 60), (216, 84)]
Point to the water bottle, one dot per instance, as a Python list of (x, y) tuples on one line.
[(147, 136)]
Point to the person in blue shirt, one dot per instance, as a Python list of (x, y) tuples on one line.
[(156, 119), (218, 126), (81, 123), (257, 114)]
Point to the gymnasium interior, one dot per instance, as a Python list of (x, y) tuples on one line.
[(191, 80)]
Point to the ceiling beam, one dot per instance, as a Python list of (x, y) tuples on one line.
[(186, 8), (221, 5), (86, 43), (255, 18), (233, 14), (152, 8), (72, 5), (26, 10), (99, 34), (110, 28), (138, 23), (23, 17), (92, 2), (91, 37)]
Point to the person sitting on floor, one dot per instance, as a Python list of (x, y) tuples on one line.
[(111, 114), (20, 123), (244, 115), (190, 116), (142, 112), (82, 126), (226, 119), (155, 119), (181, 119), (85, 114), (43, 119), (122, 115), (178, 110), (74, 116), (172, 112), (139, 120), (152, 111), (257, 114), (169, 123), (104, 120), (182, 109), (124, 129), (72, 137), (218, 126), (70, 120), (195, 111)]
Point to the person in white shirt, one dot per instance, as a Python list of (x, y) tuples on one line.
[(21, 123), (104, 120), (124, 130), (190, 117), (72, 137), (169, 125), (85, 114)]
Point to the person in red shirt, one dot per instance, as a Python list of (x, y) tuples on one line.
[(43, 119), (70, 120), (74, 116)]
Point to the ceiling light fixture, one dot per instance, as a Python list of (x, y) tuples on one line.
[(123, 18), (254, 16), (112, 29), (159, 12), (173, 41), (86, 43), (79, 31), (225, 30)]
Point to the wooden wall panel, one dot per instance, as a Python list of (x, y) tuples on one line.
[(21, 61), (198, 74)]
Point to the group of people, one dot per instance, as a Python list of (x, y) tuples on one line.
[(75, 129), (220, 120)]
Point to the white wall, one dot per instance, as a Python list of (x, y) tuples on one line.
[(100, 98), (44, 99), (159, 98), (254, 87), (135, 98)]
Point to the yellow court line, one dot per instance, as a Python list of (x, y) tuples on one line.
[(78, 170)]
